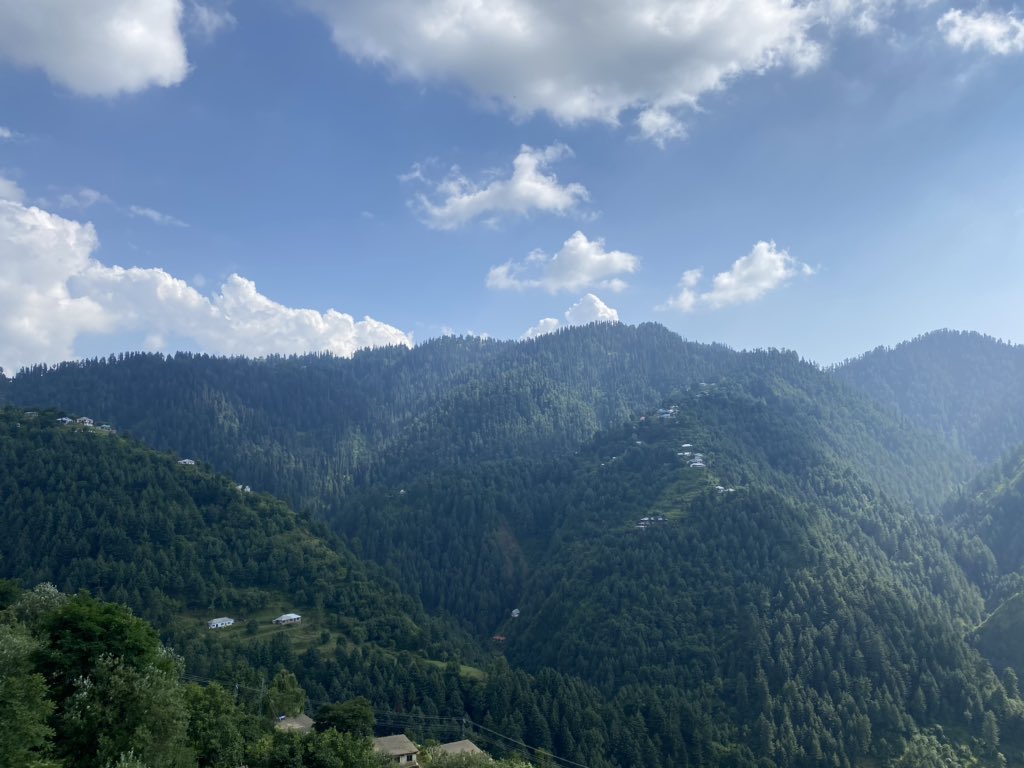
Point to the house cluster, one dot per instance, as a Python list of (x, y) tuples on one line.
[(667, 414), (691, 457), (723, 489), (84, 421), (650, 522), (401, 749), (187, 462), (243, 488), (225, 621)]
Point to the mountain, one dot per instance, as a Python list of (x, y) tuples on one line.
[(85, 508), (306, 428), (964, 386), (789, 597), (990, 512)]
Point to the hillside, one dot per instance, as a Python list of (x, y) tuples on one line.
[(965, 386), (990, 513), (87, 509), (305, 428), (792, 599)]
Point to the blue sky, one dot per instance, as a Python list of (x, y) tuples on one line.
[(287, 175)]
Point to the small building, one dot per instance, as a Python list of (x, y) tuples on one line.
[(85, 421), (515, 613), (301, 724), (463, 747), (288, 618), (398, 748), (65, 420), (187, 462), (220, 623)]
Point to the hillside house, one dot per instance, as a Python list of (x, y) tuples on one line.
[(65, 420), (219, 623), (85, 421), (398, 748), (463, 747), (187, 462), (288, 618)]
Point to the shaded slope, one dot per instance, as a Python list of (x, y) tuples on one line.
[(965, 386)]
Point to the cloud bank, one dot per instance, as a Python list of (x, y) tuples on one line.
[(52, 291), (581, 263), (589, 309), (761, 271), (97, 47), (527, 189), (643, 60)]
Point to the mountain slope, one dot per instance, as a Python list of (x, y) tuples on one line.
[(965, 386), (305, 427)]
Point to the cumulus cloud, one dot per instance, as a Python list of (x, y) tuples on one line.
[(530, 56), (9, 190), (589, 309), (528, 189), (99, 47), (581, 263), (762, 270), (208, 22), (52, 291), (6, 134), (997, 33), (544, 326)]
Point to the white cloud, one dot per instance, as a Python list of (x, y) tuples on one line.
[(581, 263), (141, 212), (762, 270), (544, 326), (589, 309), (97, 47), (6, 134), (528, 189), (82, 199), (578, 63), (997, 33), (208, 22), (660, 126), (9, 190), (52, 291)]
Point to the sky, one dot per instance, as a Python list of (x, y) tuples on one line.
[(280, 176)]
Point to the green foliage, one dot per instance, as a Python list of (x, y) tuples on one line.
[(25, 735), (328, 749), (285, 696), (354, 716)]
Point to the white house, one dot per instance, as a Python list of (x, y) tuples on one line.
[(223, 621), (84, 421), (187, 462), (288, 618)]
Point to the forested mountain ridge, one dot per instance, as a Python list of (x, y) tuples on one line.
[(87, 509), (811, 610), (84, 508), (965, 386), (306, 427)]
